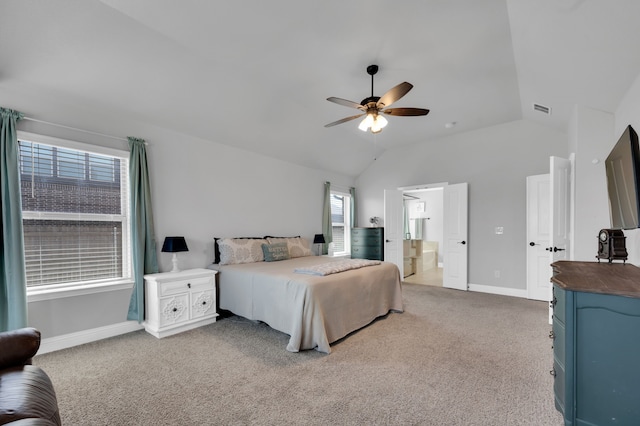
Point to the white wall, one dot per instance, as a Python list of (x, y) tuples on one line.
[(201, 190), (495, 161), (591, 138)]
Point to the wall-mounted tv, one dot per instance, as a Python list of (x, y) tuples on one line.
[(623, 181)]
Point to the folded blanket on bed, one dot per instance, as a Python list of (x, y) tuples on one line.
[(335, 267)]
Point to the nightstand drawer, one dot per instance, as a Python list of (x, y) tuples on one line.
[(174, 309), (202, 303), (182, 286)]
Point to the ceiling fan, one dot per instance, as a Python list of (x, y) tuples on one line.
[(373, 106)]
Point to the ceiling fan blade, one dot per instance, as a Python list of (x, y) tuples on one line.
[(344, 120), (406, 111), (394, 94), (345, 102)]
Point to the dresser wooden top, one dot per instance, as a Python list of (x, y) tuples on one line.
[(619, 279)]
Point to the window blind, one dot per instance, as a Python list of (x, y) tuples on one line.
[(75, 207)]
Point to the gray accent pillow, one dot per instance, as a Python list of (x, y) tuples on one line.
[(275, 252)]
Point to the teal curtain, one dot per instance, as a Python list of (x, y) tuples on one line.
[(354, 208), (407, 231), (143, 241), (327, 228), (13, 280)]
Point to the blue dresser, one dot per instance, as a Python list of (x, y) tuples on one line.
[(596, 342), (367, 243)]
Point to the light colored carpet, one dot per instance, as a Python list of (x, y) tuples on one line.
[(452, 358)]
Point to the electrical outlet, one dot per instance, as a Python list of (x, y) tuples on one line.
[(499, 230), (496, 273)]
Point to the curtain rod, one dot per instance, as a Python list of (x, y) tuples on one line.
[(76, 129)]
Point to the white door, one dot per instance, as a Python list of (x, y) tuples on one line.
[(454, 275), (393, 228), (560, 208), (538, 236)]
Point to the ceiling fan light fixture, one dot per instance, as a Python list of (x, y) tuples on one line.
[(366, 123), (373, 122), (379, 123)]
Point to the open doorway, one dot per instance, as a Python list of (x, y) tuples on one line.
[(423, 253)]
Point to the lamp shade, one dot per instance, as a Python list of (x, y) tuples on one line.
[(318, 239), (174, 245)]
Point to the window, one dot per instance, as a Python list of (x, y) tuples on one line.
[(75, 208), (341, 222)]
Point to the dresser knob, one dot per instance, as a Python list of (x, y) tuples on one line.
[(552, 335), (553, 372)]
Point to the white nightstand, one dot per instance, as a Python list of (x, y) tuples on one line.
[(179, 301)]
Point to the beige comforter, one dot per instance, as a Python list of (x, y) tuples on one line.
[(314, 310)]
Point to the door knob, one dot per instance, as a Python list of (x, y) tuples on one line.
[(532, 244), (555, 249), (388, 241), (462, 242)]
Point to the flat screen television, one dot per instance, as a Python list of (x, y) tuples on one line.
[(623, 181)]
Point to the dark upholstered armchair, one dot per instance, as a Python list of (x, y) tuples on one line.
[(27, 396)]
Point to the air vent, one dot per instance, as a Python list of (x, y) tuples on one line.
[(543, 109)]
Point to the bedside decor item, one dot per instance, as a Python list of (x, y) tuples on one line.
[(318, 239), (611, 245), (174, 245), (374, 221)]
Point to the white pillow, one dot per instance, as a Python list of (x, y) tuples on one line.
[(298, 247), (240, 250)]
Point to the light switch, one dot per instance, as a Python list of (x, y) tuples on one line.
[(499, 230)]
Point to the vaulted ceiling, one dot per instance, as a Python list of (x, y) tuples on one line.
[(256, 74)]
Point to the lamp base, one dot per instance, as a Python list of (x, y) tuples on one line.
[(174, 260)]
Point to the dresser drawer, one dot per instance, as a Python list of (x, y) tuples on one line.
[(559, 342), (559, 386), (559, 300), (365, 252), (366, 240), (369, 232)]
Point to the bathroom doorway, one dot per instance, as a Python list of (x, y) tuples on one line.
[(423, 238)]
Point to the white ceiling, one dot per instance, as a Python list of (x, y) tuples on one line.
[(256, 74)]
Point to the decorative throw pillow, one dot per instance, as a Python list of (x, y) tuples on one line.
[(240, 250), (298, 247), (275, 252), (216, 247)]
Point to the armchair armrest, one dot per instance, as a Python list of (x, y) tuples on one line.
[(17, 347)]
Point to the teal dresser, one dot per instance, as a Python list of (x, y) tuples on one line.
[(367, 243), (596, 342)]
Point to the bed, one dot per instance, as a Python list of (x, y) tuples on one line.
[(313, 310)]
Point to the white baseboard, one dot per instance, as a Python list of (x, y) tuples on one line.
[(504, 291), (65, 341)]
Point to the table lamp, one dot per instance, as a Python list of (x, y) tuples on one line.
[(174, 245), (318, 239)]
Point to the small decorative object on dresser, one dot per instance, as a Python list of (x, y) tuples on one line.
[(367, 243), (179, 301), (174, 245), (611, 245)]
